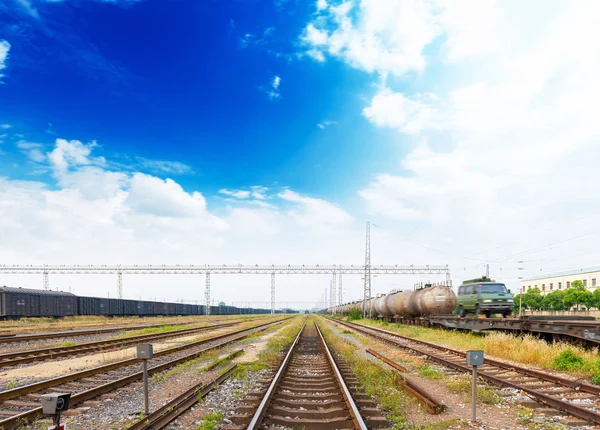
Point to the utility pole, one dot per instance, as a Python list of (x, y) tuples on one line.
[(340, 294), (487, 270), (367, 291)]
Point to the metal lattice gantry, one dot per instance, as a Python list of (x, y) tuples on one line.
[(208, 270)]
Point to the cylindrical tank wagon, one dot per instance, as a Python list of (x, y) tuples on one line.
[(430, 300)]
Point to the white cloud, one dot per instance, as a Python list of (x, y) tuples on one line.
[(152, 195), (32, 150), (314, 213), (4, 48), (399, 111), (321, 5), (493, 151), (276, 82), (162, 166), (373, 35), (72, 154), (94, 213), (5, 126), (273, 90), (250, 39), (325, 124), (238, 194), (259, 192)]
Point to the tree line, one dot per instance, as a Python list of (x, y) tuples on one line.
[(559, 300)]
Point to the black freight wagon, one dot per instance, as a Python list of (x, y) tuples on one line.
[(130, 307), (22, 302)]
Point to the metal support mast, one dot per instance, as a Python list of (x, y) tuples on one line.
[(340, 295), (120, 285), (46, 281), (367, 292), (334, 290), (272, 293), (207, 293)]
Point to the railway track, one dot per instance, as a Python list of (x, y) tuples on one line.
[(26, 337), (576, 398), (309, 391), (21, 405), (40, 354)]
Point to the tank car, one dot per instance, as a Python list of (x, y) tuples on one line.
[(435, 299)]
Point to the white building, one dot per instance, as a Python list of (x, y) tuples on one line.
[(562, 280)]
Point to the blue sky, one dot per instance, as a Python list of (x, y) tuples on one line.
[(163, 131), (187, 81)]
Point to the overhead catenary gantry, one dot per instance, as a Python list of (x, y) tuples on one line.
[(208, 270)]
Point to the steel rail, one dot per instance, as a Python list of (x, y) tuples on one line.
[(27, 356), (557, 404), (575, 384), (433, 406), (176, 407), (353, 409), (264, 404), (25, 417), (26, 337), (37, 386)]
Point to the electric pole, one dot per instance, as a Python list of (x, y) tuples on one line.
[(367, 292)]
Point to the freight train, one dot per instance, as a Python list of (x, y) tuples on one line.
[(22, 302), (405, 305), (475, 296)]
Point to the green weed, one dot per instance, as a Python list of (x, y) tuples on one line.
[(568, 360), (430, 372), (354, 314), (68, 343), (210, 421), (462, 385)]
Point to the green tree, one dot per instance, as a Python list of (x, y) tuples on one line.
[(554, 301), (577, 295), (578, 285), (532, 299), (588, 299), (596, 299)]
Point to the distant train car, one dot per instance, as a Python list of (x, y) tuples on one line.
[(22, 302)]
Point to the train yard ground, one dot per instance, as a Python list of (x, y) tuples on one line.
[(40, 324), (523, 349), (257, 348)]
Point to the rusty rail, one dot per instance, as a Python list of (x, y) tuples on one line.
[(160, 418), (432, 405), (359, 423), (558, 404), (27, 356), (25, 417)]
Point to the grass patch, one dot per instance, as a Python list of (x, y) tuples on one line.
[(210, 421), (354, 314), (280, 342), (241, 372), (523, 349), (485, 394), (568, 360), (430, 372), (68, 343)]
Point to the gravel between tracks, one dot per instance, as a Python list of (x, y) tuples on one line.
[(29, 373), (492, 417), (115, 410)]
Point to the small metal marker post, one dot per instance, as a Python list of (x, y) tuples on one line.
[(474, 358), (144, 352)]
